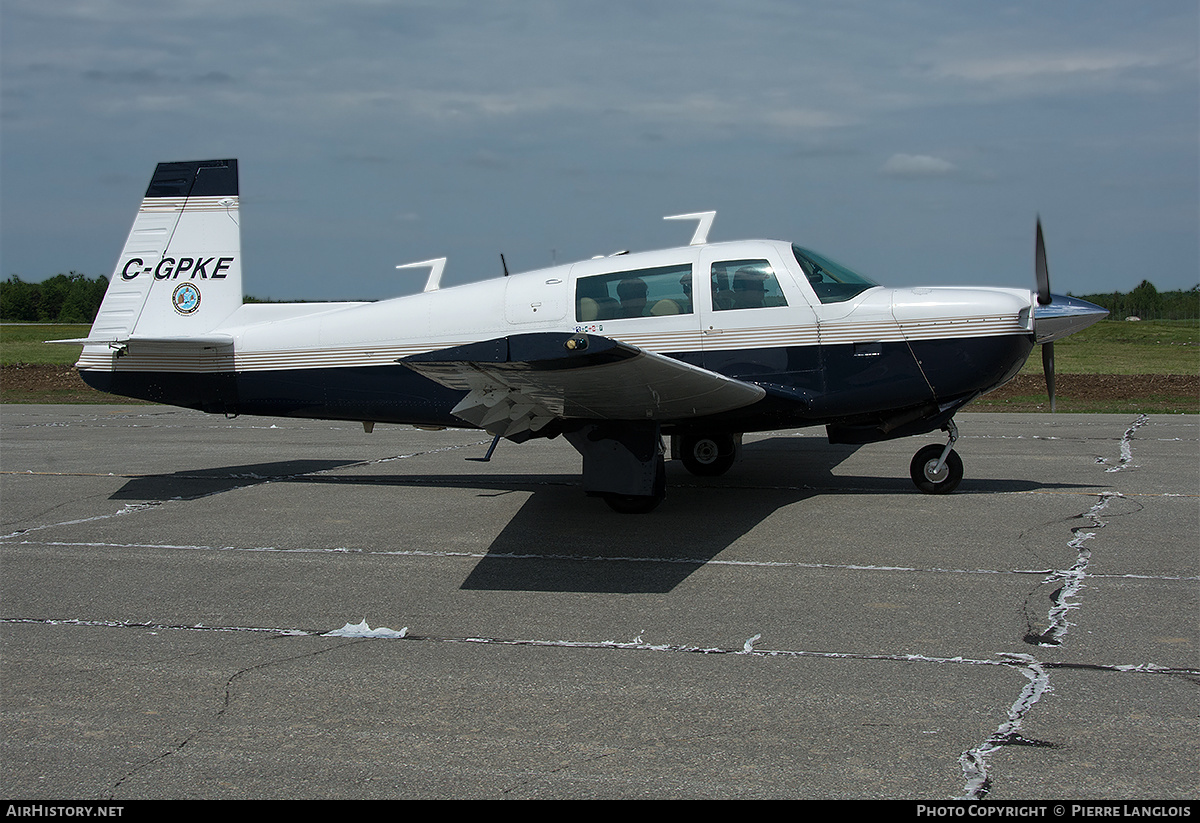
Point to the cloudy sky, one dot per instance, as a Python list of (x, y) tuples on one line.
[(915, 140)]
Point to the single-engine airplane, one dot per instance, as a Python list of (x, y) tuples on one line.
[(699, 343)]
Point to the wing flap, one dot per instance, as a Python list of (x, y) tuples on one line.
[(522, 382)]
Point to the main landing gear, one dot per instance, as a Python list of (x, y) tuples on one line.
[(640, 503), (708, 455), (938, 469), (622, 463)]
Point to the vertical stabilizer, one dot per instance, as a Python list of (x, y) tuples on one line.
[(180, 272)]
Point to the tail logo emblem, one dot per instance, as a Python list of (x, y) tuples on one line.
[(186, 298)]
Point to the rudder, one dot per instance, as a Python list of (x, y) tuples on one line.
[(180, 273)]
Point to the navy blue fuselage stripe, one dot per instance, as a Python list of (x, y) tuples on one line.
[(841, 386)]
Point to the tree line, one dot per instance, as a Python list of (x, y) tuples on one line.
[(74, 298), (1149, 303), (63, 298)]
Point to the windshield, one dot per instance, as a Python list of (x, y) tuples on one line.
[(832, 282)]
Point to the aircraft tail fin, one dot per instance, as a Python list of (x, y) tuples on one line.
[(180, 274)]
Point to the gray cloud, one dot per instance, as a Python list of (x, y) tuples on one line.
[(538, 125), (918, 165)]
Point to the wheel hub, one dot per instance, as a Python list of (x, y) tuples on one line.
[(706, 452), (933, 474)]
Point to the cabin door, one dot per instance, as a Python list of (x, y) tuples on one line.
[(756, 324)]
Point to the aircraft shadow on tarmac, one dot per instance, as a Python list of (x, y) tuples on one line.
[(562, 541), (191, 484)]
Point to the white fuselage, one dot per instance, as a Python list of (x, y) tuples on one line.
[(333, 335)]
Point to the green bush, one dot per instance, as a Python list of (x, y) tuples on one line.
[(63, 298)]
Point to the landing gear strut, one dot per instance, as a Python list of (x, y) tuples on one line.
[(622, 463), (938, 469), (640, 503)]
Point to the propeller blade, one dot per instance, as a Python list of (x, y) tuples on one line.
[(1042, 272), (1048, 370)]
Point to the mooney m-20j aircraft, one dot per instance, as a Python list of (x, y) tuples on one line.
[(698, 344)]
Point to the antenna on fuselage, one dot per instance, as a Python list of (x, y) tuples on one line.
[(503, 264), (435, 272), (704, 221)]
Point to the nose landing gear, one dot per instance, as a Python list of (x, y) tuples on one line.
[(938, 469)]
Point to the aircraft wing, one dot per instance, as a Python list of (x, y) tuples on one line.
[(518, 384)]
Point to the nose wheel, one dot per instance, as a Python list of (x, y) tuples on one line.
[(938, 469)]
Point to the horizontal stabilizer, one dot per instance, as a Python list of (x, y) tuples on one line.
[(208, 341)]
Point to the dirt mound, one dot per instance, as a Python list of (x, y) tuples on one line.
[(1103, 386), (23, 377), (24, 383)]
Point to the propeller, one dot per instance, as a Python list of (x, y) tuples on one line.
[(1044, 298)]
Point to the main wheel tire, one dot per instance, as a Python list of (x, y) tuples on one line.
[(707, 455), (931, 482)]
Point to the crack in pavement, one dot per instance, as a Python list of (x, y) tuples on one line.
[(1069, 582), (220, 713), (974, 761), (1126, 459), (748, 647)]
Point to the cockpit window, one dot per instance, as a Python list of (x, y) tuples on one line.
[(745, 284), (833, 282)]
